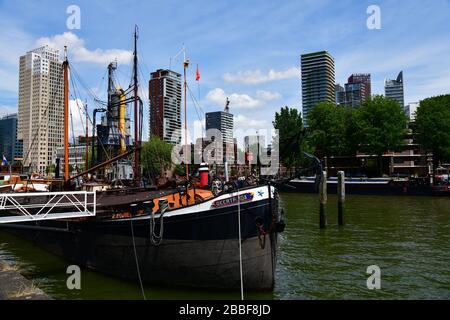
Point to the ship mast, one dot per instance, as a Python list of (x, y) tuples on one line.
[(186, 65), (137, 171), (66, 115), (86, 160)]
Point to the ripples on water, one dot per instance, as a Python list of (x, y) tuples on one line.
[(408, 238)]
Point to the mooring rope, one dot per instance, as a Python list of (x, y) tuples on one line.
[(240, 246), (136, 259), (156, 240)]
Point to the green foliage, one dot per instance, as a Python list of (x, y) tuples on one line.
[(433, 126), (327, 125), (379, 125), (156, 157), (291, 136), (180, 170), (50, 169)]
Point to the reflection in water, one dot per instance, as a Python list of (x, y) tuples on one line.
[(408, 238)]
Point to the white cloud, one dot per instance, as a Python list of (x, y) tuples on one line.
[(241, 101), (267, 95), (257, 77), (218, 96), (79, 53), (6, 110), (242, 121)]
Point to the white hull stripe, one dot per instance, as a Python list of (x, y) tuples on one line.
[(224, 201)]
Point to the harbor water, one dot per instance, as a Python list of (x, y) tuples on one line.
[(408, 238)]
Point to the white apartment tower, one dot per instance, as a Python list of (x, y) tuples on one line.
[(41, 107)]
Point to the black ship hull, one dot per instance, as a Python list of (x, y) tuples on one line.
[(199, 248)]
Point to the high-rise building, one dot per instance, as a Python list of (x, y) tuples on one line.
[(222, 121), (41, 104), (364, 78), (411, 109), (340, 94), (10, 147), (355, 94), (165, 105), (318, 80), (394, 89)]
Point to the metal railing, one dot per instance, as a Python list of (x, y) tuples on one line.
[(37, 206)]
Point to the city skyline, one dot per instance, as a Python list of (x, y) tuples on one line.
[(257, 67)]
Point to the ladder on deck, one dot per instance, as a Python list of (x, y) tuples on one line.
[(38, 206)]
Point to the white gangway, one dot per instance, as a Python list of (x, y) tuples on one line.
[(37, 206)]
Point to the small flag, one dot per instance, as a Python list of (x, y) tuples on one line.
[(197, 74), (4, 162)]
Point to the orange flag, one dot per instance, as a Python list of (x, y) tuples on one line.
[(197, 74)]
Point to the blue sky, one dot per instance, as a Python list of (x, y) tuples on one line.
[(247, 50)]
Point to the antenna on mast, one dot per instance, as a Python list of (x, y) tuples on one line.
[(183, 50)]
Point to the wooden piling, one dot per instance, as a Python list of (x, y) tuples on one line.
[(341, 197), (323, 200)]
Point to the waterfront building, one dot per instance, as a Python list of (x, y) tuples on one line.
[(355, 94), (165, 105), (318, 80), (340, 94), (412, 160), (253, 145), (224, 122), (394, 89), (362, 78), (10, 147), (76, 157), (411, 109), (40, 124)]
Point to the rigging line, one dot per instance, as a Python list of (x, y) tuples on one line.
[(141, 106), (98, 140), (143, 82), (102, 79), (198, 115), (77, 99), (198, 85), (136, 259), (83, 84), (78, 78), (240, 246), (146, 98), (92, 98), (194, 101), (198, 103), (73, 137)]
